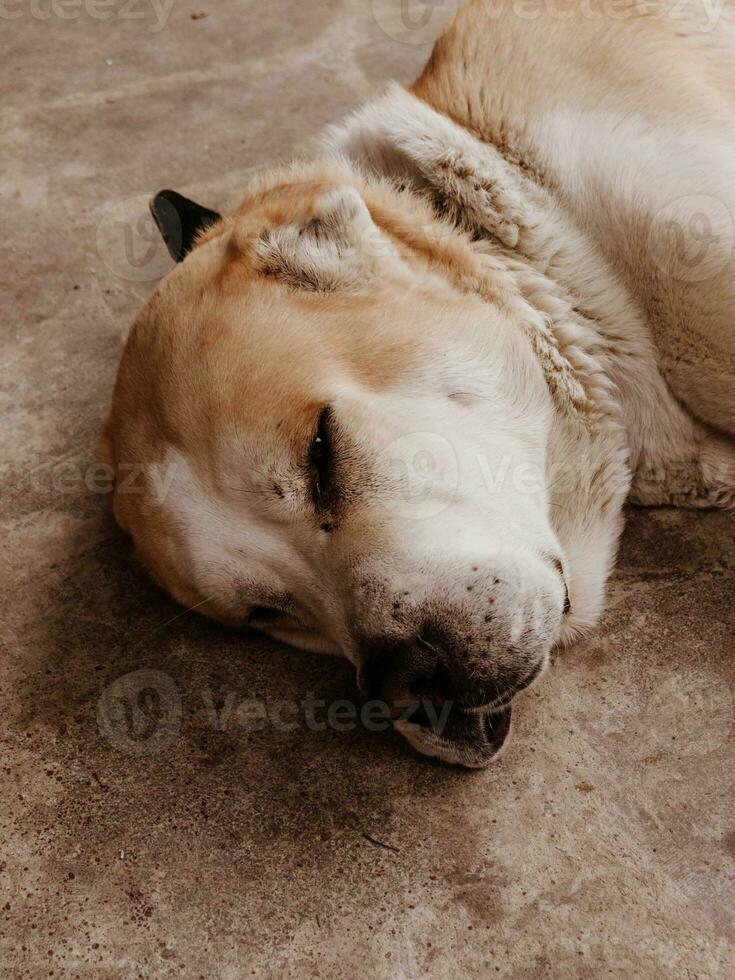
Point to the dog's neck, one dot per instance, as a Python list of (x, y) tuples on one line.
[(516, 226), (563, 295)]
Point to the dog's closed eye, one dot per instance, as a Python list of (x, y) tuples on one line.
[(260, 615), (557, 564), (321, 460)]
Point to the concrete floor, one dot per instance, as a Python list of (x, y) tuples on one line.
[(602, 845)]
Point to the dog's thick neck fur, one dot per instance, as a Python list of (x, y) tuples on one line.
[(621, 431), (531, 255), (522, 233)]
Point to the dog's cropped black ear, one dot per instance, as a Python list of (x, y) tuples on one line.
[(180, 220)]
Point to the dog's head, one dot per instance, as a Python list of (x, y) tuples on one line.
[(320, 431)]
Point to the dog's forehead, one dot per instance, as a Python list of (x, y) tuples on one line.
[(201, 356), (256, 352)]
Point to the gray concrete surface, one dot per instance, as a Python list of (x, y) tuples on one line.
[(602, 845)]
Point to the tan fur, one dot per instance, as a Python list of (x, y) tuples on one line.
[(504, 78)]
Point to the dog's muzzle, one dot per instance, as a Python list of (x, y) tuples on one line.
[(439, 707), (464, 737)]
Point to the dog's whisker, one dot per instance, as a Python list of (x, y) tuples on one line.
[(183, 612)]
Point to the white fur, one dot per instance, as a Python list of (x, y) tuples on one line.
[(629, 421)]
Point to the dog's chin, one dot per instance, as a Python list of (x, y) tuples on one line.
[(469, 738)]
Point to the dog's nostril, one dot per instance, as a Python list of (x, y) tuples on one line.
[(412, 670), (434, 687)]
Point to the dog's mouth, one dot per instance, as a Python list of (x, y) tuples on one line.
[(460, 736), (522, 684)]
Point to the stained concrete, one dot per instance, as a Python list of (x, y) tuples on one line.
[(604, 842)]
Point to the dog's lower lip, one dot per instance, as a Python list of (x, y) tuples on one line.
[(499, 706), (503, 701), (472, 741), (497, 725)]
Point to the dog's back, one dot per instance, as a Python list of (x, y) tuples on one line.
[(628, 116)]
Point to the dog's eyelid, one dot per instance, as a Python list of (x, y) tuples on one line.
[(320, 455), (321, 432), (557, 564), (262, 614)]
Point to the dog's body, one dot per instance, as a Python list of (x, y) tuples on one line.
[(516, 280)]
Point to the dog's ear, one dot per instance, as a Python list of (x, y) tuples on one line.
[(336, 249), (180, 220)]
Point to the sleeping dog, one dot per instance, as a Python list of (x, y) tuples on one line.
[(391, 405)]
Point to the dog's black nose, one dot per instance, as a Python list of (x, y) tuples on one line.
[(418, 669), (407, 671)]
